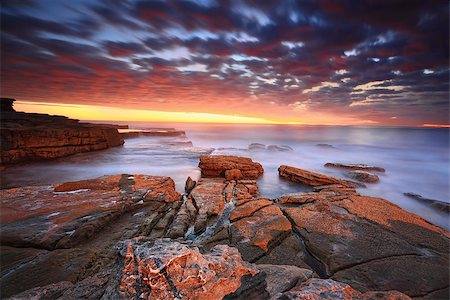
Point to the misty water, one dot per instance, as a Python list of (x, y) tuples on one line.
[(416, 159)]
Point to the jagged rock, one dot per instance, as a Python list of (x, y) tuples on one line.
[(233, 174), (444, 206), (216, 165), (189, 185), (166, 269), (317, 289), (344, 236), (361, 167), (363, 176), (26, 137), (312, 178), (281, 278), (46, 218), (256, 146)]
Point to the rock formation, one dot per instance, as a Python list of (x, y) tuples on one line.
[(131, 133), (363, 176), (27, 137), (444, 206), (216, 165), (360, 167), (130, 236)]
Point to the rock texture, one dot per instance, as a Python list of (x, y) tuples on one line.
[(363, 176), (317, 289), (311, 178), (360, 167), (133, 236), (27, 137), (217, 165)]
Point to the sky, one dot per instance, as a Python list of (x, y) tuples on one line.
[(362, 62)]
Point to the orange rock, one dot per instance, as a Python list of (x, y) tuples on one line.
[(248, 208), (216, 165), (233, 174), (311, 178)]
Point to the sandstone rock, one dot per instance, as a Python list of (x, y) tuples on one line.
[(189, 185), (26, 137), (363, 176), (216, 165), (233, 174), (248, 208), (312, 178), (51, 291), (444, 206), (281, 278), (43, 218), (361, 167), (316, 289), (167, 269), (344, 236)]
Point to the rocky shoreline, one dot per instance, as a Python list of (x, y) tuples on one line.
[(29, 137), (133, 236)]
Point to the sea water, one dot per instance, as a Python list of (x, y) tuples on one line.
[(416, 159)]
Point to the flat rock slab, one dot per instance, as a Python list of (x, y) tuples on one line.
[(360, 167), (329, 289), (49, 218), (373, 244), (217, 165), (312, 178)]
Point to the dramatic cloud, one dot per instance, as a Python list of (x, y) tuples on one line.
[(347, 62)]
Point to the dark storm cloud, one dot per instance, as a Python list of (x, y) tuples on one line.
[(386, 55)]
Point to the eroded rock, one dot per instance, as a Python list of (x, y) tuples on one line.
[(363, 176), (216, 165), (360, 167)]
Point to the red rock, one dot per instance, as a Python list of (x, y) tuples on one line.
[(26, 137), (318, 289), (248, 208), (167, 269), (233, 174), (311, 178), (361, 167), (216, 165), (189, 185)]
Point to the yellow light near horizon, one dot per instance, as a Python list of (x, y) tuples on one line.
[(103, 113)]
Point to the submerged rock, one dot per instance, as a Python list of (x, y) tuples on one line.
[(325, 146), (361, 167), (363, 176), (216, 165), (444, 206), (256, 146), (279, 148)]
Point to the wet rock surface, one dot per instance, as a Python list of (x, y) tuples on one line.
[(216, 165), (444, 206), (27, 137), (218, 240), (363, 176), (361, 167)]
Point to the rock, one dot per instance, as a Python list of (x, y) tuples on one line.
[(281, 278), (325, 146), (26, 137), (256, 146), (166, 269), (260, 231), (361, 167), (363, 176), (6, 105), (248, 209), (233, 174), (316, 288), (45, 218), (444, 206), (189, 185), (51, 291), (344, 236), (312, 178), (216, 165), (163, 132), (279, 148)]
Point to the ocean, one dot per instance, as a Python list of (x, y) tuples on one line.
[(417, 160)]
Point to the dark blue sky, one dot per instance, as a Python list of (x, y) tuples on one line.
[(359, 62)]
